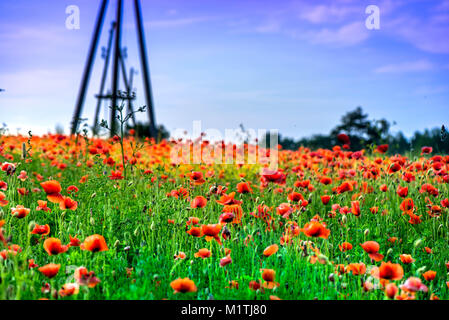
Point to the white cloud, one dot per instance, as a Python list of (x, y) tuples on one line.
[(428, 34), (347, 35), (181, 22), (325, 13), (413, 66), (269, 27)]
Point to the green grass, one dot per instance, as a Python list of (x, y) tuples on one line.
[(144, 240)]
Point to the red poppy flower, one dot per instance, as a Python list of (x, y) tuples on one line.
[(94, 243), (53, 190), (50, 270)]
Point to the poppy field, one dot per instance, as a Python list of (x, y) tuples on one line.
[(91, 218)]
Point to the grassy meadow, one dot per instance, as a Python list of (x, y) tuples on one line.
[(84, 218)]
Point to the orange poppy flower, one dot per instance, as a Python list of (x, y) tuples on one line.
[(269, 275), (183, 285), (85, 277), (3, 201), (198, 202), (406, 258), (407, 205), (270, 250), (388, 271), (235, 209), (20, 211), (42, 205), (254, 285), (69, 289), (243, 187), (402, 191), (315, 229), (228, 199), (326, 180), (211, 231), (50, 270), (94, 243), (53, 246), (429, 275), (53, 190), (195, 232), (295, 197), (356, 268), (68, 203), (325, 199), (391, 290), (181, 255), (345, 246), (74, 242), (203, 253), (225, 261), (41, 230), (355, 208), (372, 248)]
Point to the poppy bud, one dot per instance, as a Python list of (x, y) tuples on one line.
[(117, 243), (421, 270), (24, 150), (323, 259), (136, 232), (92, 221), (344, 219), (389, 251), (93, 195), (31, 226), (390, 290), (366, 233), (417, 243), (332, 277)]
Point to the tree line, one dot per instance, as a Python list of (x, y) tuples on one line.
[(365, 133)]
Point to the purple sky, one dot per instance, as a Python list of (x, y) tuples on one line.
[(296, 66)]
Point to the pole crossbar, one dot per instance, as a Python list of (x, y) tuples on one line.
[(114, 49)]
